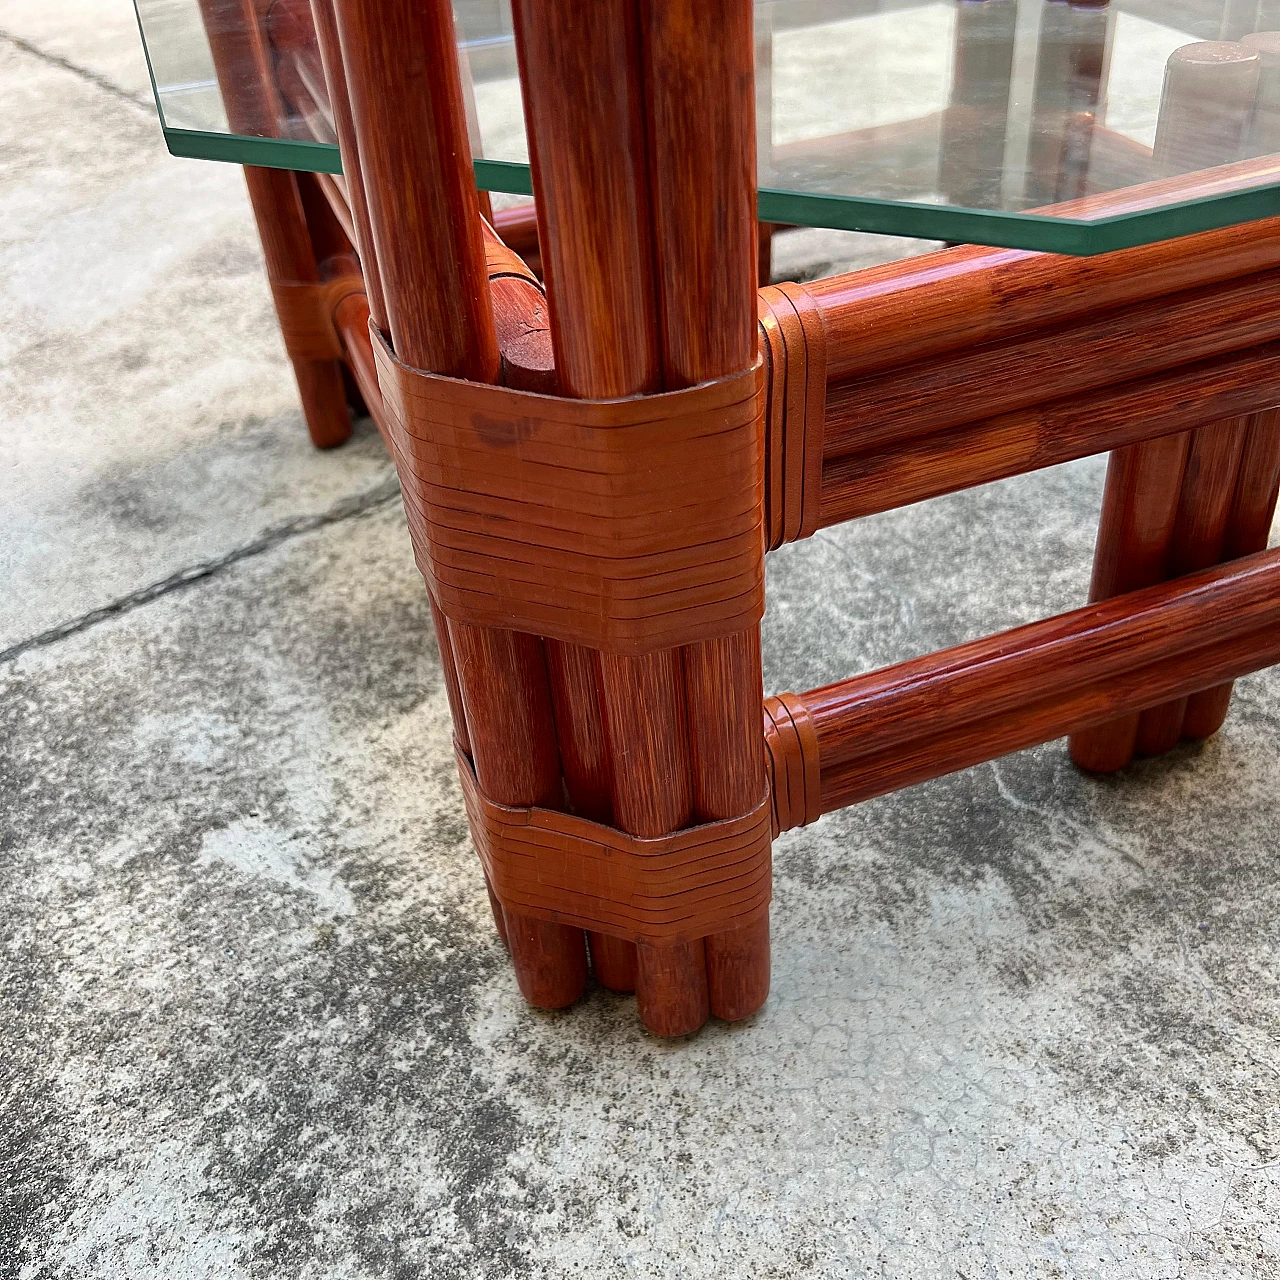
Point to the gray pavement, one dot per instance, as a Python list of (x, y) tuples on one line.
[(253, 1017)]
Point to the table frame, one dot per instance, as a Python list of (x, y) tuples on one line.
[(882, 388)]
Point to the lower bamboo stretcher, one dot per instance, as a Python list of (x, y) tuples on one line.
[(907, 723)]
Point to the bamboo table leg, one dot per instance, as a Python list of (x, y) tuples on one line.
[(1254, 500), (702, 102), (241, 62), (440, 319), (612, 183), (1247, 529), (579, 64), (1166, 502)]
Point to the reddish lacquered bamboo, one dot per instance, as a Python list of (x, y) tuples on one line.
[(406, 102), (1027, 440), (518, 227), (1248, 528), (888, 316), (583, 115), (1204, 119), (520, 319), (1139, 509), (988, 678), (701, 101), (582, 62), (1121, 697), (1198, 541), (336, 78), (242, 64), (948, 710), (1136, 341), (290, 259)]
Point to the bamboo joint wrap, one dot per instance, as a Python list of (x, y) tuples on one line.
[(793, 344), (628, 526)]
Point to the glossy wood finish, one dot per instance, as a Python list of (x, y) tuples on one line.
[(951, 709), (1248, 527), (1084, 707), (1139, 511), (1197, 541), (1087, 352), (992, 676), (1205, 110), (1044, 435), (425, 222), (326, 28), (701, 99), (583, 97), (242, 64), (888, 316), (641, 244)]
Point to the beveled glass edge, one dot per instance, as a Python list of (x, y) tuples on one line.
[(1073, 236)]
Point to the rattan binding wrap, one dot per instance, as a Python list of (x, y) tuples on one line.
[(628, 526), (675, 888), (306, 316), (794, 343), (791, 751)]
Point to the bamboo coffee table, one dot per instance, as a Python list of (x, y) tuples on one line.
[(602, 423)]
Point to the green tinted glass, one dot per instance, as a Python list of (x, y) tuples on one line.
[(1041, 124)]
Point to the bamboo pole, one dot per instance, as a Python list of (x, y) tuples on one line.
[(623, 103), (580, 76), (945, 711), (701, 99), (241, 63), (406, 103), (1205, 110), (1254, 500)]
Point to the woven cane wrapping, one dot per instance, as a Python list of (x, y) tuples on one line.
[(676, 888), (793, 341), (306, 316), (791, 750), (627, 526)]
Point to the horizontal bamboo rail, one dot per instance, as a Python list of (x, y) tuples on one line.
[(891, 315), (952, 709), (1094, 351), (903, 472)]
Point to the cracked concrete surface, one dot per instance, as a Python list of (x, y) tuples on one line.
[(255, 1020)]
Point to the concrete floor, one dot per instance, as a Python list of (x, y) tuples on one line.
[(255, 1021)]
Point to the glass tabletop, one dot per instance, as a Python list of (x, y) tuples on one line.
[(1060, 125)]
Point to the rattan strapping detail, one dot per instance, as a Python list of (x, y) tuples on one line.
[(627, 526), (306, 316), (792, 755), (794, 343), (675, 888)]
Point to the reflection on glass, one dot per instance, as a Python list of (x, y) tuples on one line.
[(999, 105)]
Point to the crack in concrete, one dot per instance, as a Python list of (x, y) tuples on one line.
[(347, 509), (85, 73)]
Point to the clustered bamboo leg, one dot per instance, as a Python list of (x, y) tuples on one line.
[(644, 295), (701, 99), (1168, 503), (440, 318), (1248, 526), (242, 65), (291, 259), (579, 63)]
